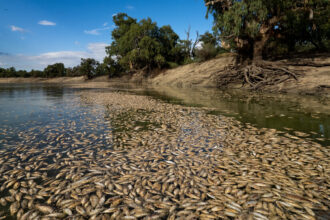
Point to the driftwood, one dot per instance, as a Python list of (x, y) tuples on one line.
[(256, 76)]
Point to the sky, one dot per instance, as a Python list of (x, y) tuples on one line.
[(36, 33)]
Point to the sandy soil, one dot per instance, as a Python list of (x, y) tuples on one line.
[(196, 74), (313, 80)]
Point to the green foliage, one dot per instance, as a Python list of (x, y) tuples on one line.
[(209, 47), (140, 45), (9, 72), (254, 22), (12, 72), (172, 65), (55, 70), (208, 51), (74, 71), (208, 38), (89, 67), (36, 73), (111, 67)]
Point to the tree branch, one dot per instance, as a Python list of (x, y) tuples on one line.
[(212, 2)]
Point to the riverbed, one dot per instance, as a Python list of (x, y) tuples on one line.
[(97, 152)]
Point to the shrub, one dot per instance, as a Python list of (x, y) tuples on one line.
[(208, 51)]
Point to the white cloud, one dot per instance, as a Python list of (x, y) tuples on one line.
[(69, 58), (47, 23), (96, 31), (15, 28), (105, 24), (129, 7), (97, 50)]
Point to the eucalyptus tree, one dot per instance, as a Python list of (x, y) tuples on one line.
[(55, 70), (88, 67), (249, 25), (141, 45)]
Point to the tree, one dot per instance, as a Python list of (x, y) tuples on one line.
[(208, 47), (74, 71), (141, 45), (36, 73), (55, 70), (188, 46), (111, 67), (88, 67), (3, 72), (208, 38), (249, 25)]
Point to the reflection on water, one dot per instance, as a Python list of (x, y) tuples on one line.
[(289, 113), (21, 103), (46, 110)]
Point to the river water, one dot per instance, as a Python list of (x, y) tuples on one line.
[(23, 106)]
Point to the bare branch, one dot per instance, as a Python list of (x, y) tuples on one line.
[(212, 2)]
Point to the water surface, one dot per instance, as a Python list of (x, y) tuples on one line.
[(24, 106)]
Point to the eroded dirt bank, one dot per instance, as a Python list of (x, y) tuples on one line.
[(313, 79)]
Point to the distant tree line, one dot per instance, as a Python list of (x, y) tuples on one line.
[(88, 67)]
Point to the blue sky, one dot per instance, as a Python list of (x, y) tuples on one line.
[(35, 33)]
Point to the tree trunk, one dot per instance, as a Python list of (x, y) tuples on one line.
[(260, 42), (258, 47), (130, 65)]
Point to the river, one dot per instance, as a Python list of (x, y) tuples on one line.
[(23, 104)]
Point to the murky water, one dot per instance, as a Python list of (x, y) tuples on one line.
[(288, 113), (24, 106), (45, 109)]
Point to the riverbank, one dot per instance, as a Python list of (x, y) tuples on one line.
[(314, 77), (66, 80)]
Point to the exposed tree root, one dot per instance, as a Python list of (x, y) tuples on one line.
[(311, 64), (257, 75)]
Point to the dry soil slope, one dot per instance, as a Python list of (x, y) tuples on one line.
[(195, 74), (312, 80)]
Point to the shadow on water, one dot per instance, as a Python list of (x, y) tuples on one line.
[(304, 116)]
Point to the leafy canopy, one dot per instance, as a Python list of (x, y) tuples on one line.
[(141, 45), (89, 67), (55, 70), (293, 21)]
